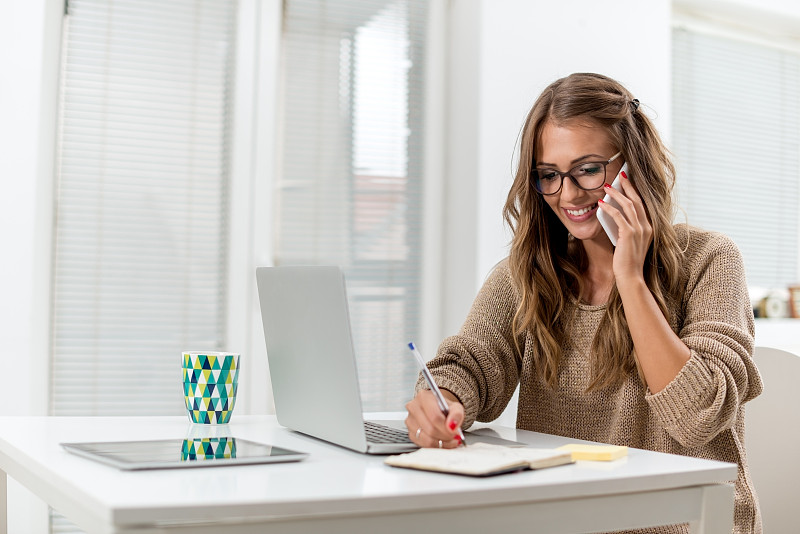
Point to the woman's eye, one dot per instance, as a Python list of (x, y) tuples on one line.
[(547, 175), (588, 169)]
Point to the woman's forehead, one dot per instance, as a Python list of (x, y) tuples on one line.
[(570, 139)]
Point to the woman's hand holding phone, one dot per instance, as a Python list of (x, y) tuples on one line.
[(630, 232)]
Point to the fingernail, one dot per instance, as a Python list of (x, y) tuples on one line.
[(457, 438), (452, 425), (606, 185), (624, 175), (600, 200)]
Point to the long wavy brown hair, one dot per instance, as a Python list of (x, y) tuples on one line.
[(547, 265)]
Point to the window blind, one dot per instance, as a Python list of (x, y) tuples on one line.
[(349, 191), (737, 143), (141, 201)]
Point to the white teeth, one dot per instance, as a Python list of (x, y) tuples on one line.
[(577, 213)]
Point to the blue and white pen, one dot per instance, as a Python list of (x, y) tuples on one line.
[(434, 388)]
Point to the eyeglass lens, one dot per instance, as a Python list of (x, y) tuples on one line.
[(588, 176)]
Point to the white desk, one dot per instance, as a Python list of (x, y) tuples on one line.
[(335, 490)]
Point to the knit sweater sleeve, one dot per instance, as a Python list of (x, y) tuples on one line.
[(480, 365), (718, 327)]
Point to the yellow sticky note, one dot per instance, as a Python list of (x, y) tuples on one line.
[(600, 453)]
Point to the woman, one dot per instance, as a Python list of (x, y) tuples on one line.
[(647, 344)]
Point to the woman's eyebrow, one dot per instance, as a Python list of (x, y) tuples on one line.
[(573, 162)]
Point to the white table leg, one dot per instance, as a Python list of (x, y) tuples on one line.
[(716, 515), (3, 503)]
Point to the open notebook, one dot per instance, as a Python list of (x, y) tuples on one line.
[(480, 459)]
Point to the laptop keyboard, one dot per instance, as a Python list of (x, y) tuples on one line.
[(377, 433)]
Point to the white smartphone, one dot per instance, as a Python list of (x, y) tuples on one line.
[(605, 219)]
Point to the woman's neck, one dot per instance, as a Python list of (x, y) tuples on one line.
[(598, 277)]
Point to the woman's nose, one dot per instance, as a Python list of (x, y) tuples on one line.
[(569, 189)]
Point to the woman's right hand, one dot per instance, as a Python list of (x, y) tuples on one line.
[(428, 426)]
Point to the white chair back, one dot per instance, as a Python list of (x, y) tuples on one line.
[(772, 438)]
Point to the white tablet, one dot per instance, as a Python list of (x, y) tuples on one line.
[(172, 453)]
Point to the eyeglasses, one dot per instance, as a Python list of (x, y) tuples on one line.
[(587, 176)]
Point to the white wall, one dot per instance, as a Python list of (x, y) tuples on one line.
[(29, 47), (503, 53)]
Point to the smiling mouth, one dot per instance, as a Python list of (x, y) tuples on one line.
[(582, 211)]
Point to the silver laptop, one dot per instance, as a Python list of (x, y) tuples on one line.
[(312, 363)]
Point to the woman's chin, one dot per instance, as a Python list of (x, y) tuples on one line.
[(590, 234)]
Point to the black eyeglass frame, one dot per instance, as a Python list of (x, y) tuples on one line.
[(535, 172)]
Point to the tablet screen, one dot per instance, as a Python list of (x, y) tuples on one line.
[(171, 453)]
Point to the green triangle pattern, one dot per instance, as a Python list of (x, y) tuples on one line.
[(210, 385), (208, 448)]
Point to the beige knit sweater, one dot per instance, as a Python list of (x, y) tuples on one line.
[(700, 413)]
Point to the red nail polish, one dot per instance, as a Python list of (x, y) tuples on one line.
[(600, 200), (624, 175), (452, 425), (457, 438), (606, 185)]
